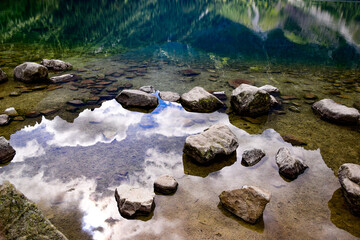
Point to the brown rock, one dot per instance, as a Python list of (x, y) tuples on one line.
[(189, 72), (237, 82)]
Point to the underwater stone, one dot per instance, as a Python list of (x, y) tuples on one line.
[(56, 65), (62, 78), (237, 82), (169, 96), (137, 98), (4, 119), (199, 100), (349, 178), (189, 72), (7, 152), (165, 184), (215, 141), (289, 166), (252, 157), (134, 201), (248, 203), (335, 112), (270, 89), (30, 72), (76, 102), (250, 100), (295, 141), (32, 114), (147, 89), (3, 76)]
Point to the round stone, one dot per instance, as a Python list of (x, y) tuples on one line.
[(165, 184)]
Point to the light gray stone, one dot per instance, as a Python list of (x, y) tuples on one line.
[(30, 72), (137, 98), (147, 89), (3, 76), (7, 152), (252, 157), (62, 78), (250, 101), (56, 65), (289, 166), (349, 178), (215, 141), (165, 184), (273, 101), (270, 89), (11, 112), (4, 119), (248, 203), (169, 96), (199, 100), (335, 112)]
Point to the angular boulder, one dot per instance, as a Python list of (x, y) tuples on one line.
[(337, 113), (250, 101), (4, 119), (165, 184), (215, 141), (289, 166), (137, 98), (169, 96), (270, 89), (56, 65), (199, 100), (7, 152), (252, 157), (30, 72), (349, 178), (3, 76), (134, 201), (248, 203)]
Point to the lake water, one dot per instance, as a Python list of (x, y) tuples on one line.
[(70, 162)]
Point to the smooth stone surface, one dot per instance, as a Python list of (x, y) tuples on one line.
[(133, 201), (289, 166), (251, 101), (7, 152), (3, 76), (199, 100), (30, 72), (270, 89), (165, 184), (56, 65), (169, 96), (62, 78), (335, 112), (215, 141), (21, 219), (11, 112), (4, 119), (349, 178), (295, 141), (248, 203), (147, 89), (137, 98), (252, 157)]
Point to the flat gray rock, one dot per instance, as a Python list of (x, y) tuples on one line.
[(7, 152), (165, 184), (215, 141), (249, 100), (335, 112), (3, 76), (11, 112), (349, 178), (147, 89), (169, 96), (30, 72), (62, 78), (138, 99), (4, 119), (199, 100), (248, 203), (252, 157), (56, 65), (270, 89), (289, 166), (133, 201)]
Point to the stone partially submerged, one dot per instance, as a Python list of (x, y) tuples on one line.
[(169, 96), (289, 166), (3, 76), (21, 219), (133, 201), (7, 152), (199, 100), (137, 99), (30, 72), (349, 178), (165, 184), (4, 119), (62, 78), (248, 203), (335, 112), (56, 65), (250, 101), (252, 156), (215, 141)]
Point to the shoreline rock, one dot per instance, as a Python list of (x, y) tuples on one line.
[(4, 119), (165, 184), (3, 76), (7, 152), (289, 166), (199, 100), (169, 96), (30, 72), (56, 65), (137, 99), (349, 178), (252, 156)]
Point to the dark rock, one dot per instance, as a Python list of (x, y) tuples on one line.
[(165, 184), (189, 72), (15, 94), (220, 95), (289, 166), (32, 114), (72, 109), (56, 65), (294, 109), (137, 98), (39, 87), (289, 97), (295, 141), (199, 100), (237, 82), (19, 118), (4, 119), (30, 72), (169, 96), (76, 102), (252, 157), (310, 96), (349, 178), (47, 112), (7, 152), (3, 76)]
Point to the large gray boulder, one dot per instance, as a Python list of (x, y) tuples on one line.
[(215, 141), (137, 98), (289, 166), (30, 72), (335, 112), (250, 101), (7, 152), (199, 100), (134, 201), (4, 119), (252, 156), (56, 65), (3, 76), (349, 178), (248, 203), (165, 184), (169, 96)]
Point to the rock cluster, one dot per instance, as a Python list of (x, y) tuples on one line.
[(199, 100), (289, 166), (349, 178)]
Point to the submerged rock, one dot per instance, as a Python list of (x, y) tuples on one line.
[(56, 65), (199, 100), (252, 157), (21, 219), (248, 203), (189, 72), (349, 177), (62, 78), (215, 141), (335, 112), (134, 201), (165, 184), (30, 72), (289, 166), (7, 152), (295, 141), (4, 119), (250, 100), (3, 76), (237, 82), (137, 98), (270, 89), (169, 96), (147, 89), (76, 102)]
